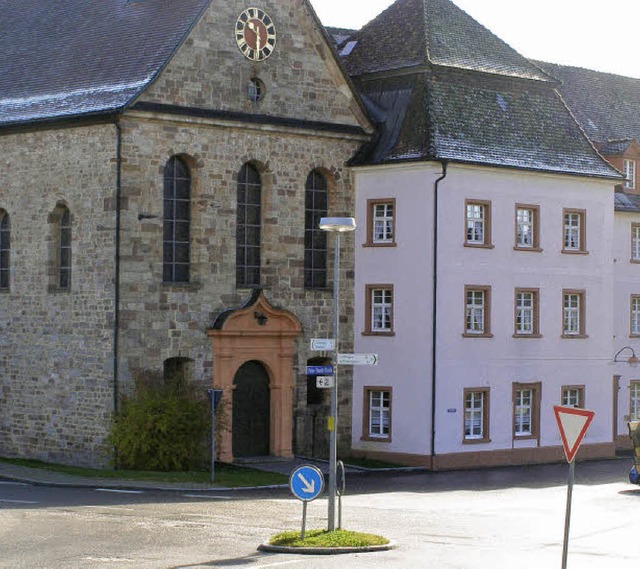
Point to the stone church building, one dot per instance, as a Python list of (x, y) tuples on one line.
[(163, 167)]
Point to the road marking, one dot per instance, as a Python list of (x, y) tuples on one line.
[(15, 484), (206, 497), (116, 508), (116, 491), (17, 502)]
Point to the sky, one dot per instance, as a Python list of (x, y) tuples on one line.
[(583, 33)]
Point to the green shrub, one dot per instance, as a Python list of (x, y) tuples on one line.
[(162, 427)]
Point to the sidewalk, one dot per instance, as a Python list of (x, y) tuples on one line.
[(44, 477)]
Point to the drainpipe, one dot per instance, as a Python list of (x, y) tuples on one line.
[(434, 323), (116, 301)]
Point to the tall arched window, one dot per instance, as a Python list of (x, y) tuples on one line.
[(315, 240), (64, 249), (5, 249), (177, 222), (248, 227)]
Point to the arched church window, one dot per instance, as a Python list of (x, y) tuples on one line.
[(248, 228), (315, 240), (177, 222)]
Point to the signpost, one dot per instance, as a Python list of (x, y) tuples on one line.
[(306, 483), (319, 370), (573, 424), (358, 359), (323, 345), (341, 482)]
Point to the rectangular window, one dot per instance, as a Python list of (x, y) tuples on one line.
[(477, 311), (377, 413), (527, 227), (476, 415), (635, 242), (630, 174), (635, 400), (526, 410), (379, 309), (478, 223), (573, 314), (526, 313), (381, 225), (635, 315), (573, 396), (574, 231)]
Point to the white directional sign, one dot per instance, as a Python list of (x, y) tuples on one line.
[(323, 345), (325, 381), (358, 359), (573, 424)]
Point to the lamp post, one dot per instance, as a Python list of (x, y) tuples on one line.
[(632, 360), (335, 225)]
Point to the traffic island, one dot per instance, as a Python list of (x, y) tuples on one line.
[(323, 542)]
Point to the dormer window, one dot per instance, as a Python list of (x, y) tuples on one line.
[(630, 174)]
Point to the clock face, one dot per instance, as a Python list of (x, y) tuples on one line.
[(255, 34)]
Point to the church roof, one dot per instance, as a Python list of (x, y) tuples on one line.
[(440, 86), (72, 58)]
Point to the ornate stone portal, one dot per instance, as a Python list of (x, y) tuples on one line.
[(258, 332)]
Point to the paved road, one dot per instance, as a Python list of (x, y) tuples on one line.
[(500, 518)]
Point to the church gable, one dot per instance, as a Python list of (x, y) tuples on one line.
[(292, 75)]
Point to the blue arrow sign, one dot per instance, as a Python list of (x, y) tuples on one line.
[(307, 483), (319, 370)]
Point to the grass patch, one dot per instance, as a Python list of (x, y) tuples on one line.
[(324, 538), (226, 475)]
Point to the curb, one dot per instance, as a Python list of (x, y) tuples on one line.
[(326, 550)]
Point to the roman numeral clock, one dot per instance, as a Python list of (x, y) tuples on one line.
[(255, 34)]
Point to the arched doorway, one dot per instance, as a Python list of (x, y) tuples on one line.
[(251, 411)]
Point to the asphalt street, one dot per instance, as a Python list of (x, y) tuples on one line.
[(498, 518)]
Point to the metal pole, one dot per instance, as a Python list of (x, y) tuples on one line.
[(567, 521), (333, 419), (213, 436)]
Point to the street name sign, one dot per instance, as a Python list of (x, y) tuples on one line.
[(358, 359), (319, 370), (306, 482), (573, 424), (323, 345), (325, 381)]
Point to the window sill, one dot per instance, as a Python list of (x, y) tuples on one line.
[(479, 245), (467, 335), (382, 245), (58, 290), (634, 261), (572, 252), (475, 441), (525, 437), (529, 249), (526, 336), (371, 333), (184, 287), (574, 336), (373, 439)]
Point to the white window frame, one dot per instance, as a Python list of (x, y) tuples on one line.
[(525, 228), (572, 231), (381, 310), (383, 222), (474, 415), (525, 313), (634, 401), (635, 242), (630, 174), (379, 414), (572, 396), (522, 410), (572, 313), (635, 315), (476, 313), (476, 223)]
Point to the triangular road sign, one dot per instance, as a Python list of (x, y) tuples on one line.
[(573, 424)]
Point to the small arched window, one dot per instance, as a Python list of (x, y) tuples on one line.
[(248, 228), (177, 222), (5, 249), (315, 240)]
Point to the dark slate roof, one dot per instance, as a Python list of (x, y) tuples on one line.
[(606, 105), (72, 58), (627, 202), (434, 32), (612, 147)]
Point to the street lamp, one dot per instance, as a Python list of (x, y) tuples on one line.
[(632, 360), (335, 225)]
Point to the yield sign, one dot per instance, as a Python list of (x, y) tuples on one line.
[(573, 424)]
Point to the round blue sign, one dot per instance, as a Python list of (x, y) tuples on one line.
[(306, 482)]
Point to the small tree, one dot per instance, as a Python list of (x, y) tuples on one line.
[(162, 427)]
